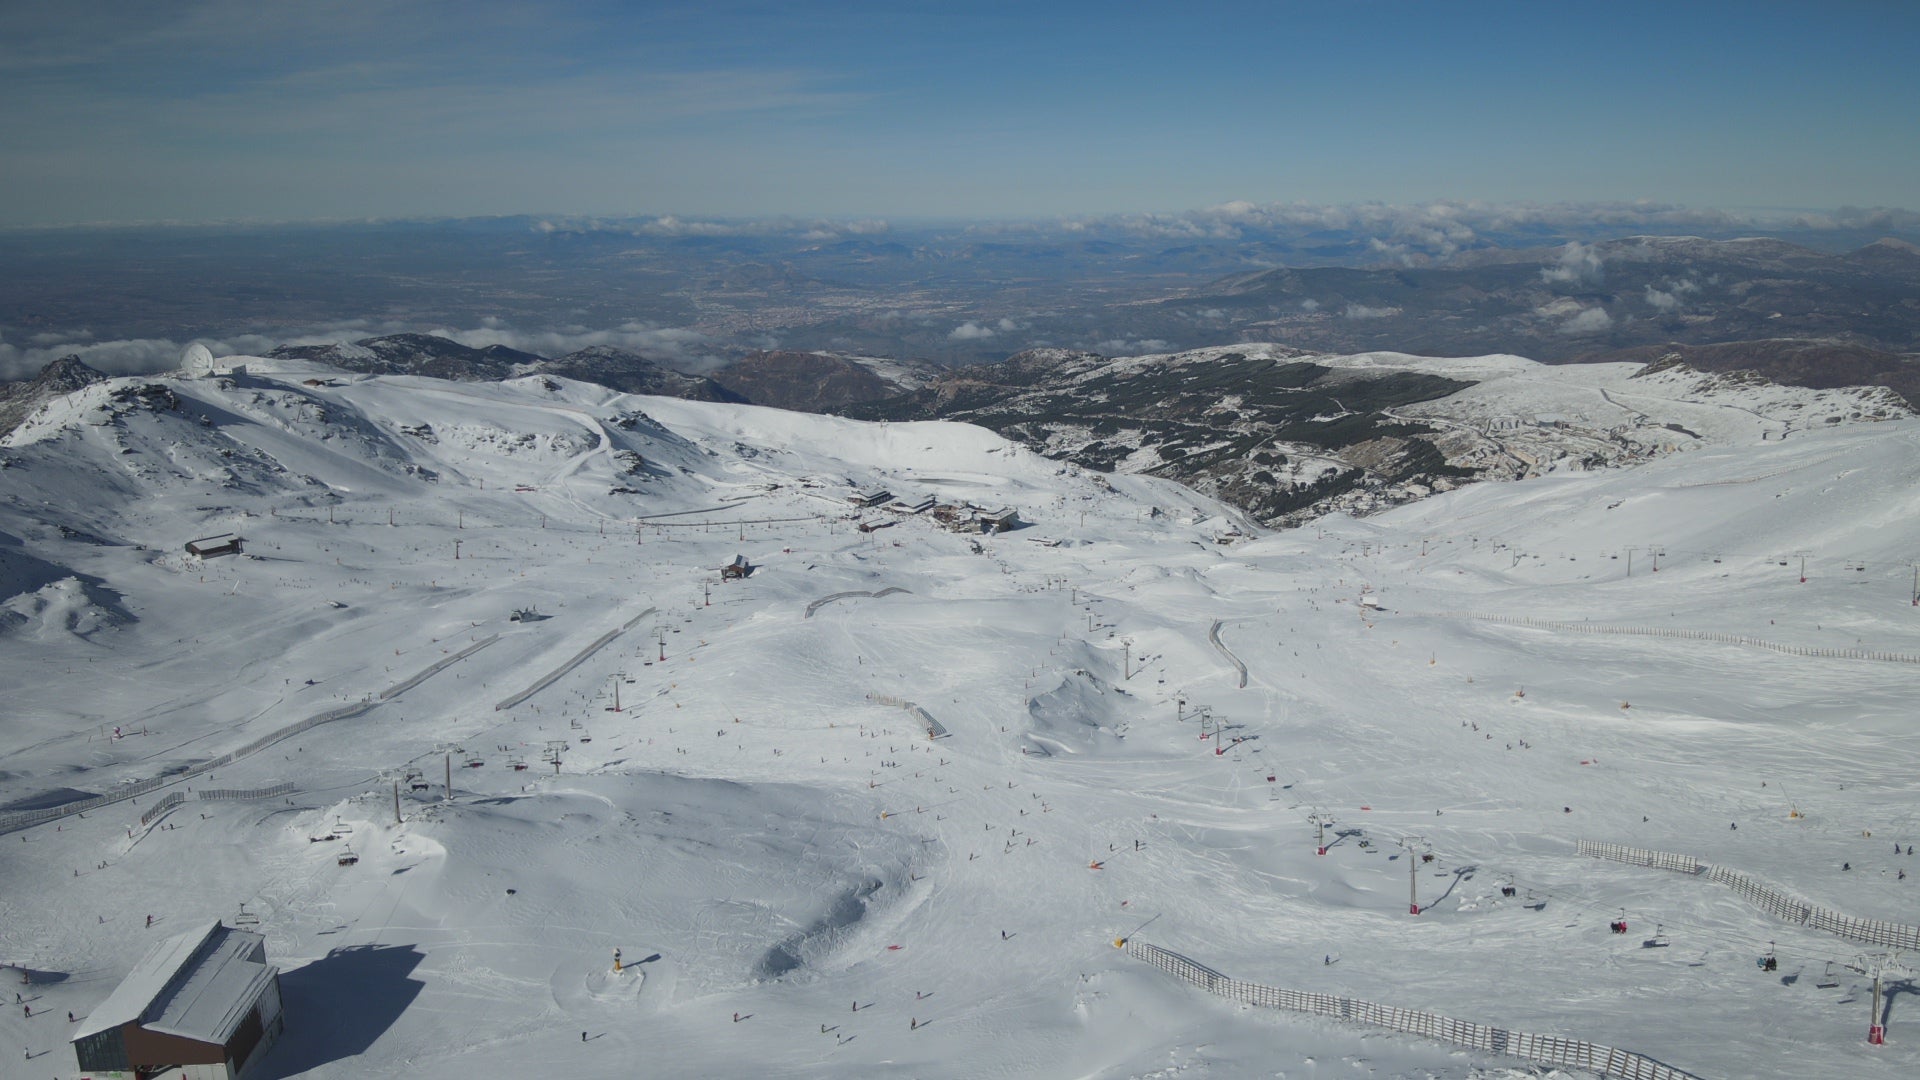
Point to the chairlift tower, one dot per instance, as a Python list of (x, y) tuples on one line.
[(1880, 968), (1413, 845), (1321, 819)]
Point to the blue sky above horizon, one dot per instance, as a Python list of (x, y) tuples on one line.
[(223, 110)]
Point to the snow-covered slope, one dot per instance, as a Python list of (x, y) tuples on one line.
[(799, 881)]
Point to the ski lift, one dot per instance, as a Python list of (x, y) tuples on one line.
[(347, 858), (1769, 962), (1659, 939), (475, 762), (1828, 980), (245, 917), (342, 827), (519, 764)]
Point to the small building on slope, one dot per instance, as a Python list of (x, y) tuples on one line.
[(205, 1003), (212, 547)]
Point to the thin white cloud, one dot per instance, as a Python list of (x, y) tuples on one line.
[(1579, 265), (1591, 321), (969, 331), (1673, 296), (1362, 311)]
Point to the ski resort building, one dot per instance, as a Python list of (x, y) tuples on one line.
[(206, 1003), (738, 569), (998, 521), (208, 547), (874, 497)]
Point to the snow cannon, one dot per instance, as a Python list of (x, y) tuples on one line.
[(1119, 943)]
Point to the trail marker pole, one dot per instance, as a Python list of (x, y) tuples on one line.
[(396, 803), (449, 776)]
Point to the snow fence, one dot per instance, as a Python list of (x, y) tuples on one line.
[(159, 810), (1776, 902), (27, 818), (1676, 632), (1544, 1049), (553, 676), (1213, 635), (831, 597), (934, 728)]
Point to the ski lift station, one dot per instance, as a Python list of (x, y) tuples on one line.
[(205, 1002)]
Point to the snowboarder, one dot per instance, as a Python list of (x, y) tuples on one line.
[(583, 1036), (149, 920), (1734, 825)]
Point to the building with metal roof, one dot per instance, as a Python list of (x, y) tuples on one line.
[(205, 1003)]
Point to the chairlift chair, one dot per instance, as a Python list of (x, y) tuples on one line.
[(245, 917), (347, 858)]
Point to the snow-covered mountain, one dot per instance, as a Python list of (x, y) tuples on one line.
[(1140, 697), (1288, 435)]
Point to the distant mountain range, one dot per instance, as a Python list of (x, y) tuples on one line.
[(1576, 301), (1186, 384)]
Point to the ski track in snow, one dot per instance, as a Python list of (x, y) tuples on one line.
[(757, 829)]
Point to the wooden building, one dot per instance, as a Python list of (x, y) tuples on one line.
[(737, 569), (204, 1005)]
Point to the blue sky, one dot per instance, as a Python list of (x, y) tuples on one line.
[(224, 110)]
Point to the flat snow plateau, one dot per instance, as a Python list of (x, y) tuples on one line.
[(800, 882)]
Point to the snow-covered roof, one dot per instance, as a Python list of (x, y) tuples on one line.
[(197, 985)]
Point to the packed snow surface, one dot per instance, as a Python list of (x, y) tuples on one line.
[(798, 880)]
